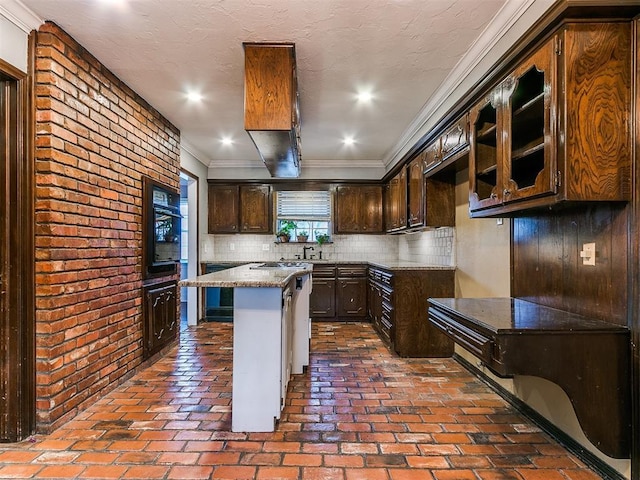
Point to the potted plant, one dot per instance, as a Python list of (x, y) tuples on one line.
[(322, 238), (303, 236), (286, 227)]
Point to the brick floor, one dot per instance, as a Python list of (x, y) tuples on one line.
[(358, 413)]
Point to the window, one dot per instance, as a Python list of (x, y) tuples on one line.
[(304, 212)]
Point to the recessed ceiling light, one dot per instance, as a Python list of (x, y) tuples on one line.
[(348, 140), (194, 96), (365, 97), (226, 141)]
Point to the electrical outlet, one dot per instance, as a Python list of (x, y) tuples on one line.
[(232, 246), (265, 247)]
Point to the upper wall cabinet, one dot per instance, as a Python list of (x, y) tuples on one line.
[(447, 148), (240, 209), (224, 208), (358, 209), (395, 202), (557, 129)]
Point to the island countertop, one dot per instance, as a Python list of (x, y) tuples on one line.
[(250, 275)]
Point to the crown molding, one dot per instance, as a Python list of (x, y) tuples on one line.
[(504, 20), (18, 14), (195, 153)]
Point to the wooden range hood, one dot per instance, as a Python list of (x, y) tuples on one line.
[(271, 106)]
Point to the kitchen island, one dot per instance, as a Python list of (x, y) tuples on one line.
[(271, 332)]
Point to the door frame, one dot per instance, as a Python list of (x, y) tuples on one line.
[(194, 301), (17, 265)]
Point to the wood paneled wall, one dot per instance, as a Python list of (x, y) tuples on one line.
[(547, 267)]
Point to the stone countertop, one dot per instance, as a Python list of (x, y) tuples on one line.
[(406, 265), (388, 265), (246, 276)]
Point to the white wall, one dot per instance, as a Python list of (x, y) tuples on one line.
[(13, 43), (482, 250), (191, 164)]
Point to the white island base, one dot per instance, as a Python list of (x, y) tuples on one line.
[(271, 332)]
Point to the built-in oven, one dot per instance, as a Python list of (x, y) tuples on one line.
[(166, 234), (161, 229)]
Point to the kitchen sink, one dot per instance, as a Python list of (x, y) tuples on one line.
[(279, 265)]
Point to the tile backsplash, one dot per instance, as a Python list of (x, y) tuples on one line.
[(434, 247), (431, 247)]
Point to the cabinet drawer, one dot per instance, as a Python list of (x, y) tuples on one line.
[(386, 278), (352, 271), (471, 340), (387, 295), (324, 271)]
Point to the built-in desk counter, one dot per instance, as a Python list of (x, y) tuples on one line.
[(588, 358)]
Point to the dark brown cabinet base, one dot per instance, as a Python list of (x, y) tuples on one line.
[(160, 316), (339, 292), (398, 303)]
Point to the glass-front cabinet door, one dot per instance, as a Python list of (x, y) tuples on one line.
[(512, 136), (485, 166), (529, 111)]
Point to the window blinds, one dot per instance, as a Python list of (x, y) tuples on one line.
[(304, 205)]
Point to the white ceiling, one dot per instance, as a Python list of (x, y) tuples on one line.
[(400, 50)]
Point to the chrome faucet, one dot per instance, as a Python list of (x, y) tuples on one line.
[(304, 252)]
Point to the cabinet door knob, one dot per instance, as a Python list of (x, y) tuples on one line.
[(506, 192), (494, 196)]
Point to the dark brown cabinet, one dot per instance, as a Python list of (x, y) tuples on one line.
[(358, 209), (447, 148), (416, 193), (351, 291), (322, 302), (399, 309), (430, 199), (396, 202), (537, 138), (240, 208), (339, 292), (160, 316), (224, 208), (255, 209)]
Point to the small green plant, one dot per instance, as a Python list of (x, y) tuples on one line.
[(322, 238), (286, 227), (303, 233)]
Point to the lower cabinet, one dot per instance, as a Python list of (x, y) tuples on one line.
[(159, 316), (398, 309), (339, 292), (351, 291), (322, 302)]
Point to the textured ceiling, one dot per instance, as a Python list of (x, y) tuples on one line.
[(402, 50)]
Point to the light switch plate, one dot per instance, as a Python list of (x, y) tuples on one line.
[(588, 254)]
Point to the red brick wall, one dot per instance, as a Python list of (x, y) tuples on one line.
[(95, 139)]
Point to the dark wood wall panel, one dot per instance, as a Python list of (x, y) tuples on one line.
[(546, 256)]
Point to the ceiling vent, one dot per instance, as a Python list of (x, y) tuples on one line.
[(271, 106)]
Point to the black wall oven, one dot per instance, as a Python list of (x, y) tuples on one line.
[(161, 229)]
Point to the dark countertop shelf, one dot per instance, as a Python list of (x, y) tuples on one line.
[(513, 315)]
